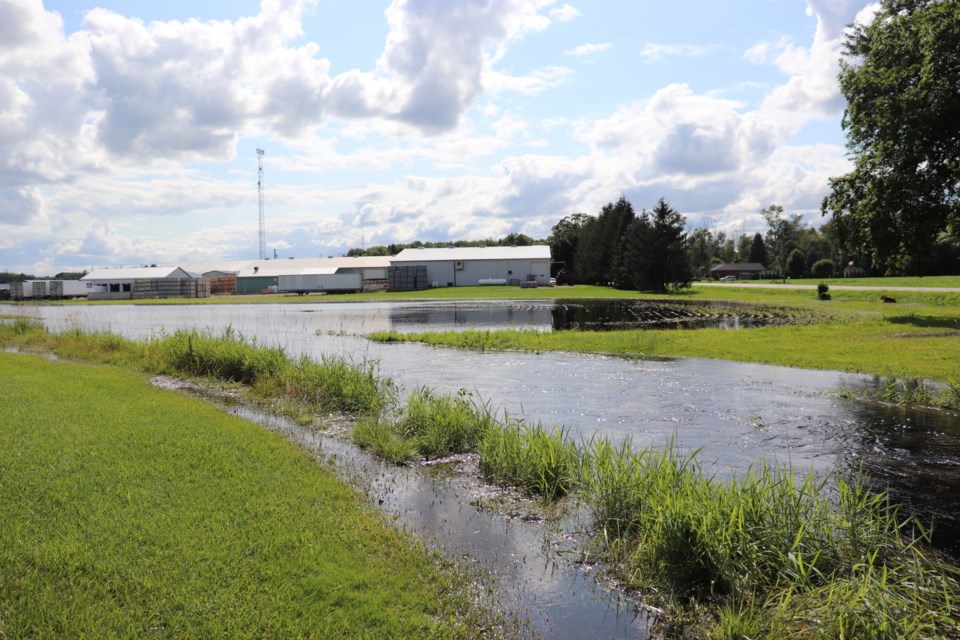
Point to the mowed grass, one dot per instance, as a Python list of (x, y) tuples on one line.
[(129, 511), (917, 337)]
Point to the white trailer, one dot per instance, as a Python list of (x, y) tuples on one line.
[(39, 289), (320, 283)]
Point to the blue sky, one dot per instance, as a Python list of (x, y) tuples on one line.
[(128, 128)]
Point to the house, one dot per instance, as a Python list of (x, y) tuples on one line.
[(741, 271), (136, 283), (470, 266)]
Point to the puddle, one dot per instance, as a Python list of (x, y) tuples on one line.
[(520, 553)]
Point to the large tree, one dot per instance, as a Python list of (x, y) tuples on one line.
[(656, 257), (758, 250), (564, 239), (900, 78), (599, 258)]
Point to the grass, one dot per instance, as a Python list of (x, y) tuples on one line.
[(768, 553), (133, 512), (919, 340), (329, 385)]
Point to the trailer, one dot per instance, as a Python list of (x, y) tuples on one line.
[(320, 283), (48, 289)]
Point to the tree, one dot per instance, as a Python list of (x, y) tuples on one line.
[(899, 76), (564, 239), (758, 250), (796, 264), (599, 258), (516, 240), (782, 236), (656, 258)]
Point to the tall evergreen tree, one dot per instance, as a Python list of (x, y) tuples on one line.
[(599, 258), (657, 257), (758, 250)]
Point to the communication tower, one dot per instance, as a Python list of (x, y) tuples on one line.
[(263, 233)]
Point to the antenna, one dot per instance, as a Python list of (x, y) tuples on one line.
[(263, 235)]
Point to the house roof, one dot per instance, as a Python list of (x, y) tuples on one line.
[(136, 273), (739, 266), (532, 252)]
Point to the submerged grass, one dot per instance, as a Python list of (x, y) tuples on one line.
[(766, 553), (895, 346), (129, 511)]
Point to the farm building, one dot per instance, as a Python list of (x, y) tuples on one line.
[(136, 283), (470, 266), (301, 275), (741, 271)]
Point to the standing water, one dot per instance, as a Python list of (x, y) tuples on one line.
[(737, 414)]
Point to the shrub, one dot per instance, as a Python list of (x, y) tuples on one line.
[(823, 268)]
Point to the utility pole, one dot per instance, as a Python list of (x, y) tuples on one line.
[(263, 233)]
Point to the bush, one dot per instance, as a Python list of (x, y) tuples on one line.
[(823, 268)]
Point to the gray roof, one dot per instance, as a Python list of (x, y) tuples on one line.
[(739, 266), (136, 273), (533, 252)]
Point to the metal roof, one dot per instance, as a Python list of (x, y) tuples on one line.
[(533, 252), (136, 273), (286, 267), (739, 266)]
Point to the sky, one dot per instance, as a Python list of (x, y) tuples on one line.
[(129, 128)]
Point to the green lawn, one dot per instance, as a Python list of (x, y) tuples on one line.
[(129, 511), (919, 336)]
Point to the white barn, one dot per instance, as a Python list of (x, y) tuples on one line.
[(143, 282), (472, 266)]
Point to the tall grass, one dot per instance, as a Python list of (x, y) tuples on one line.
[(768, 549), (440, 425), (541, 462)]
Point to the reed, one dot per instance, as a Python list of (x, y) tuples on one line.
[(379, 437), (229, 356), (441, 425), (768, 549), (335, 384), (538, 461)]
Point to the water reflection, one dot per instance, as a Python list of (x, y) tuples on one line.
[(737, 413), (594, 315)]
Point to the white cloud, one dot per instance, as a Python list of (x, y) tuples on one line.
[(566, 13), (653, 52), (588, 49)]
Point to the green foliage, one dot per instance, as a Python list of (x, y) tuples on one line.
[(565, 238), (899, 80), (599, 258), (758, 251), (823, 268), (226, 357), (440, 425), (771, 551), (656, 250), (541, 462), (796, 264)]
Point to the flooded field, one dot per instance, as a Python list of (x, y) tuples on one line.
[(737, 414)]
